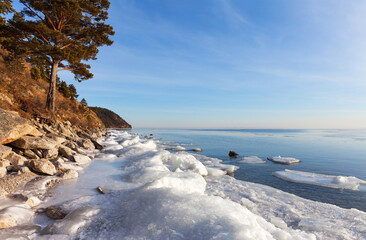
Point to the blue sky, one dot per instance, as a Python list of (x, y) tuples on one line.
[(233, 64)]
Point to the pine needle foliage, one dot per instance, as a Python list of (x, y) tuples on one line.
[(59, 35)]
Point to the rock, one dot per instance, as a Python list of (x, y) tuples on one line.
[(30, 154), (3, 171), (87, 144), (64, 131), (81, 159), (38, 152), (24, 170), (4, 163), (56, 138), (13, 127), (4, 151), (16, 159), (66, 151), (33, 201), (69, 174), (71, 145), (97, 143), (55, 212), (100, 190), (233, 154), (34, 143), (42, 166), (50, 153), (197, 149)]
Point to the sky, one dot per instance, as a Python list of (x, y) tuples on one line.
[(233, 64)]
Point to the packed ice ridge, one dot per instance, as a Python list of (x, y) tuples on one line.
[(331, 181), (251, 160), (284, 160)]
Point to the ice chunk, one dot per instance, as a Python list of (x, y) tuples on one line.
[(215, 172), (73, 222), (284, 160), (227, 167), (186, 161), (251, 160), (330, 181), (14, 216), (130, 142), (187, 182)]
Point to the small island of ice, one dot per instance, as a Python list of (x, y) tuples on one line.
[(284, 160), (251, 160), (341, 182)]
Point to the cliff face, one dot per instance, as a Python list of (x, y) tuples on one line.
[(110, 119)]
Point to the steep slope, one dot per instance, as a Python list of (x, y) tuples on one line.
[(110, 119), (21, 93)]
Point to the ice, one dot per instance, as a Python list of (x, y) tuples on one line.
[(187, 182), (284, 160), (73, 222), (283, 209), (215, 172), (251, 160), (14, 216), (186, 161), (163, 195), (341, 182)]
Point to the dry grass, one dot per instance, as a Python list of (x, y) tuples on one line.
[(19, 92)]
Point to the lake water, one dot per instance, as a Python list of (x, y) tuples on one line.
[(333, 152)]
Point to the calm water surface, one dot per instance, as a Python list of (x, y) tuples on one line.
[(334, 152)]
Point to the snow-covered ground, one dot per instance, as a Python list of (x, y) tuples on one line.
[(176, 195), (341, 182)]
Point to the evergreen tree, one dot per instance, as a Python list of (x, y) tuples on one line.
[(73, 92), (59, 35), (64, 89), (83, 101), (5, 8)]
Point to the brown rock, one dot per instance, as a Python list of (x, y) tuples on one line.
[(50, 153), (13, 127), (42, 166), (3, 172), (81, 159), (87, 144), (16, 159), (4, 163), (34, 143), (233, 154), (70, 174), (55, 212), (66, 151), (100, 190), (30, 154), (56, 138), (4, 151)]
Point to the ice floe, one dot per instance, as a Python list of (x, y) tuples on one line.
[(331, 181), (284, 160), (251, 160)]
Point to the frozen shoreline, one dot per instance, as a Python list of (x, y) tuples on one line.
[(157, 194)]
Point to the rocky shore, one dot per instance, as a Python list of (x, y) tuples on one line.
[(34, 155)]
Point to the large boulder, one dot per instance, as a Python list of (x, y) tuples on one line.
[(42, 166), (13, 127), (4, 151), (66, 151), (87, 144), (34, 143)]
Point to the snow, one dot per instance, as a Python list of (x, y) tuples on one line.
[(152, 193), (341, 182), (251, 160), (284, 160)]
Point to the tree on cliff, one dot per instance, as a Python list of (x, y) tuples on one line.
[(60, 35), (5, 7)]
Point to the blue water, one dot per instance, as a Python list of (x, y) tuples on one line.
[(333, 152)]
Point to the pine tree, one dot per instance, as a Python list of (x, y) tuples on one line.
[(72, 92), (83, 101), (5, 7), (60, 35)]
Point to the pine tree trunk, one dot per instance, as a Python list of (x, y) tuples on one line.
[(51, 96)]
